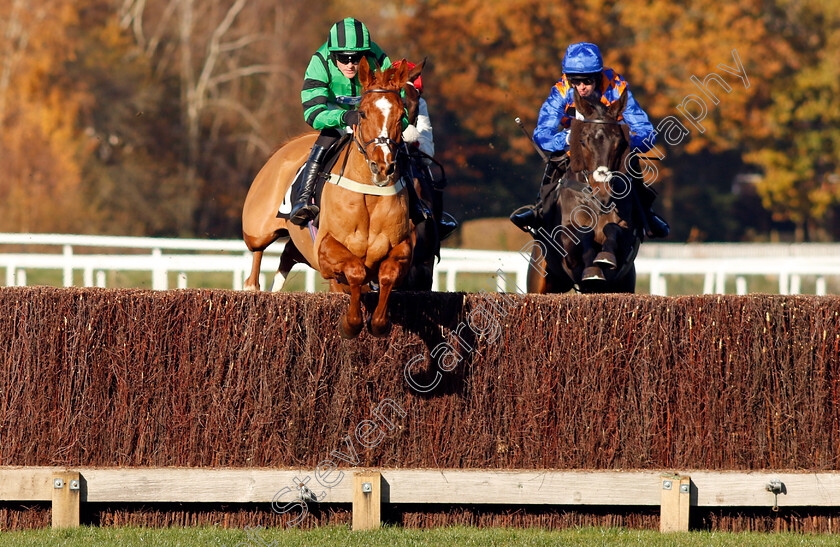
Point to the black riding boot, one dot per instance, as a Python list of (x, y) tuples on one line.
[(529, 217), (418, 211), (303, 211), (656, 225), (446, 223)]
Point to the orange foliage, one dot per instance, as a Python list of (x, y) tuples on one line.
[(40, 187), (73, 71)]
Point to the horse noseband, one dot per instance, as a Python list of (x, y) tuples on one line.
[(392, 145), (381, 140)]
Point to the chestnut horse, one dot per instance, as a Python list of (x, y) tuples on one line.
[(592, 232), (364, 230)]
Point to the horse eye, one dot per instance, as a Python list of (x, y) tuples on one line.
[(362, 114)]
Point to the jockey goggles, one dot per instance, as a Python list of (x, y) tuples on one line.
[(347, 57), (585, 80)]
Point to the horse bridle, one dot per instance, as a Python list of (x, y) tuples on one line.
[(610, 122), (393, 145), (587, 172)]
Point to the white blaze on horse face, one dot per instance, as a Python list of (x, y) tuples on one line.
[(602, 174), (384, 106)]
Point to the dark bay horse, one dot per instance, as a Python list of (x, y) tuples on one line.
[(364, 233), (592, 231), (427, 239)]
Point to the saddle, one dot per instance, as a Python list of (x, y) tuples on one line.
[(329, 162)]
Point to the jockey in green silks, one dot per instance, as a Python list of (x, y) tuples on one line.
[(331, 91)]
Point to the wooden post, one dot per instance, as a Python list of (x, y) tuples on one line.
[(65, 499), (367, 507), (676, 498)]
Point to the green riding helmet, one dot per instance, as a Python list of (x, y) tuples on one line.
[(348, 34)]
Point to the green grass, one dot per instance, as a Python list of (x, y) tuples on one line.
[(394, 537)]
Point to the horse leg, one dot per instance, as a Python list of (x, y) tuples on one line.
[(257, 245), (537, 273), (591, 271), (420, 274), (291, 255), (627, 284), (391, 270), (606, 257), (337, 261), (252, 282)]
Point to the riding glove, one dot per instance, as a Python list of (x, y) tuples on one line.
[(350, 117)]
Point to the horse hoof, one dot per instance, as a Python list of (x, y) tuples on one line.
[(605, 259), (348, 331), (379, 332), (593, 273)]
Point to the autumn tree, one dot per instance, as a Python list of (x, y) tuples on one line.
[(495, 60), (40, 140), (152, 116), (238, 66), (800, 156)]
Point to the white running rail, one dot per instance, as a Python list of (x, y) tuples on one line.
[(719, 264)]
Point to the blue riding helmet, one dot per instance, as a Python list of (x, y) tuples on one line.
[(582, 58)]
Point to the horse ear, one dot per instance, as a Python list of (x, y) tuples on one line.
[(615, 109), (365, 74), (400, 77), (416, 71), (583, 106)]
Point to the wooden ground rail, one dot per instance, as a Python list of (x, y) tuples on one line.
[(675, 494)]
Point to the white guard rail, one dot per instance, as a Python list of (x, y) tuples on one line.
[(717, 263)]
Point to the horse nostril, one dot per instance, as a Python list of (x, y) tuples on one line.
[(391, 168), (373, 168)]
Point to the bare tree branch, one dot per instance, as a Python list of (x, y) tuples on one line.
[(17, 38), (246, 114), (244, 42), (154, 41), (214, 49), (247, 71), (258, 142), (131, 15), (139, 8)]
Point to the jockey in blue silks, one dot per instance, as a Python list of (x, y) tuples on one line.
[(583, 68)]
